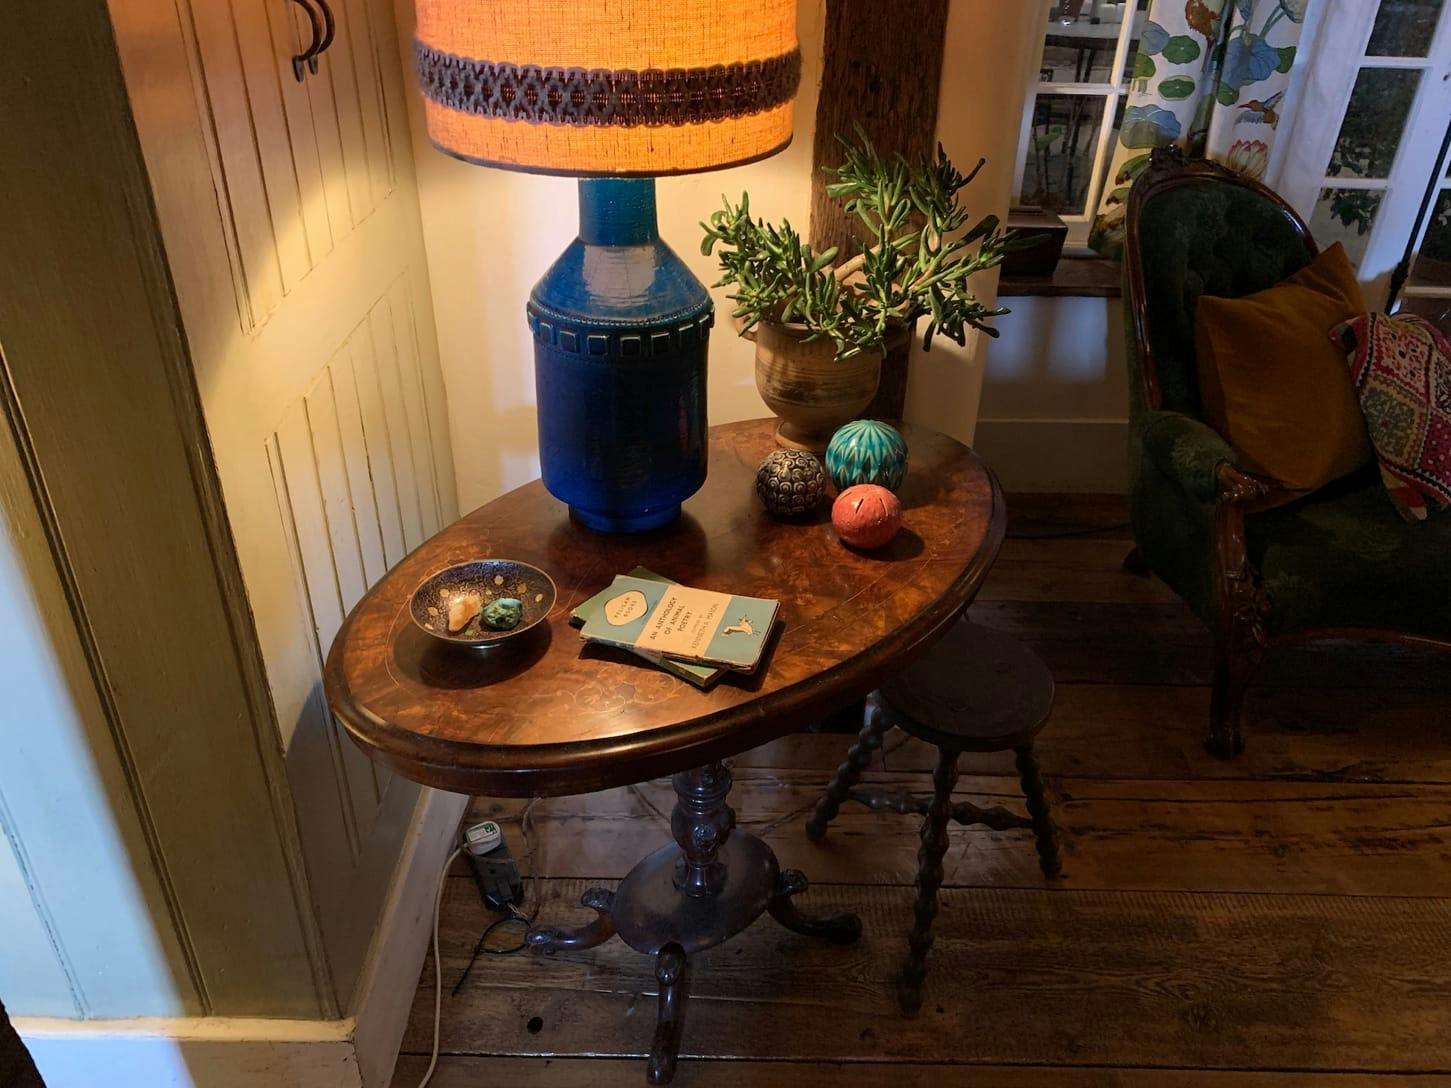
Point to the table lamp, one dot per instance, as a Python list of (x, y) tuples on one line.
[(616, 93)]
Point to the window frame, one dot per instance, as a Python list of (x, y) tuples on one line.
[(1111, 93), (1337, 55), (1412, 289)]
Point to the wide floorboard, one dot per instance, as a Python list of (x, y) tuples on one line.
[(1278, 921)]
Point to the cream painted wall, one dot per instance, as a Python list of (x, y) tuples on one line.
[(991, 60), (491, 234), (1054, 412)]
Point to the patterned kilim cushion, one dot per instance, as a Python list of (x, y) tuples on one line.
[(1401, 367)]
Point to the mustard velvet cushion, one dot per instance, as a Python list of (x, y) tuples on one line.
[(1275, 385)]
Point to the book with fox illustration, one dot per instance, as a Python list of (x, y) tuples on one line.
[(681, 623), (702, 676)]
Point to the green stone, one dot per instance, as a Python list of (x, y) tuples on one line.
[(503, 614)]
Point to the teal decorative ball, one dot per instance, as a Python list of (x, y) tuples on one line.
[(866, 452)]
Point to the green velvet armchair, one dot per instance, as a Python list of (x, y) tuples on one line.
[(1260, 572)]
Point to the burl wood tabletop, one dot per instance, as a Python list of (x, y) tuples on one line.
[(548, 714)]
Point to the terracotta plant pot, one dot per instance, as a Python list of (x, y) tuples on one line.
[(808, 387)]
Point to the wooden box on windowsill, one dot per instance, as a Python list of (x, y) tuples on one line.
[(1039, 259)]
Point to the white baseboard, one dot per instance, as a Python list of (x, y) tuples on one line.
[(233, 1052), (192, 1052), (401, 942), (1075, 455)]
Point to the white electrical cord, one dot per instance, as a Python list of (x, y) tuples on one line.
[(438, 968), (526, 823)]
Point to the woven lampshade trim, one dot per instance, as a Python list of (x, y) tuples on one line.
[(580, 96)]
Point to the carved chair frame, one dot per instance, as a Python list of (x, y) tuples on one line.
[(1241, 638)]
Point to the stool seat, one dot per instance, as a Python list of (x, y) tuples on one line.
[(974, 690)]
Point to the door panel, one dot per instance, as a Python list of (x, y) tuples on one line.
[(325, 403), (300, 163), (355, 484)]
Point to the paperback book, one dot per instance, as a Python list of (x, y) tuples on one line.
[(702, 676), (683, 624)]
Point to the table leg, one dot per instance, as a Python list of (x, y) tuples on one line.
[(705, 887), (672, 974), (551, 939), (836, 928), (701, 824)]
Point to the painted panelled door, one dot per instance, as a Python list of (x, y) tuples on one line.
[(291, 222)]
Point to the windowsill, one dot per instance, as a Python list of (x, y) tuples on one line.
[(1075, 277)]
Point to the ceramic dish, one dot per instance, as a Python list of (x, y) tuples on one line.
[(491, 579)]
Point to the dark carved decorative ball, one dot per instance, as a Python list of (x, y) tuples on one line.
[(791, 483)]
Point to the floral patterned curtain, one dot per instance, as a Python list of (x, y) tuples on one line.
[(1209, 75)]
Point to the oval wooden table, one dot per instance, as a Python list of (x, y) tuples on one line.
[(547, 714)]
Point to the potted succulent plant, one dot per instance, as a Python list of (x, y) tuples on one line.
[(821, 327)]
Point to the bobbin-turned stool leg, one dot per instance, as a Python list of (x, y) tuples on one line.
[(1045, 834), (929, 880), (858, 757)]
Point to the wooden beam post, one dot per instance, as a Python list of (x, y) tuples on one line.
[(881, 70)]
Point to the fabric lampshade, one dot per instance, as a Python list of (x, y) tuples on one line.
[(608, 87)]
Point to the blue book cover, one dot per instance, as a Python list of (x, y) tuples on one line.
[(682, 623)]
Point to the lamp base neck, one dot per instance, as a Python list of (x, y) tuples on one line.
[(617, 211)]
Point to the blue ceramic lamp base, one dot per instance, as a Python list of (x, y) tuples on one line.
[(621, 328)]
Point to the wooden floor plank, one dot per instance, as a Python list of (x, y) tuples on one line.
[(1051, 516), (1106, 643), (474, 1072), (1166, 835), (1125, 643), (1089, 570), (1149, 731), (1300, 983)]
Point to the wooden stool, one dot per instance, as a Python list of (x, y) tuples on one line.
[(974, 691)]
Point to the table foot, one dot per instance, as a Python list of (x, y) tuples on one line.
[(551, 939), (672, 973), (697, 892), (836, 928)]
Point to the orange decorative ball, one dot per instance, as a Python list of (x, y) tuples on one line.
[(866, 516)]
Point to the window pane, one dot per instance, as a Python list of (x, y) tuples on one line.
[(1346, 216), (1404, 28), (1433, 263), (1058, 164), (1374, 122), (1080, 45)]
